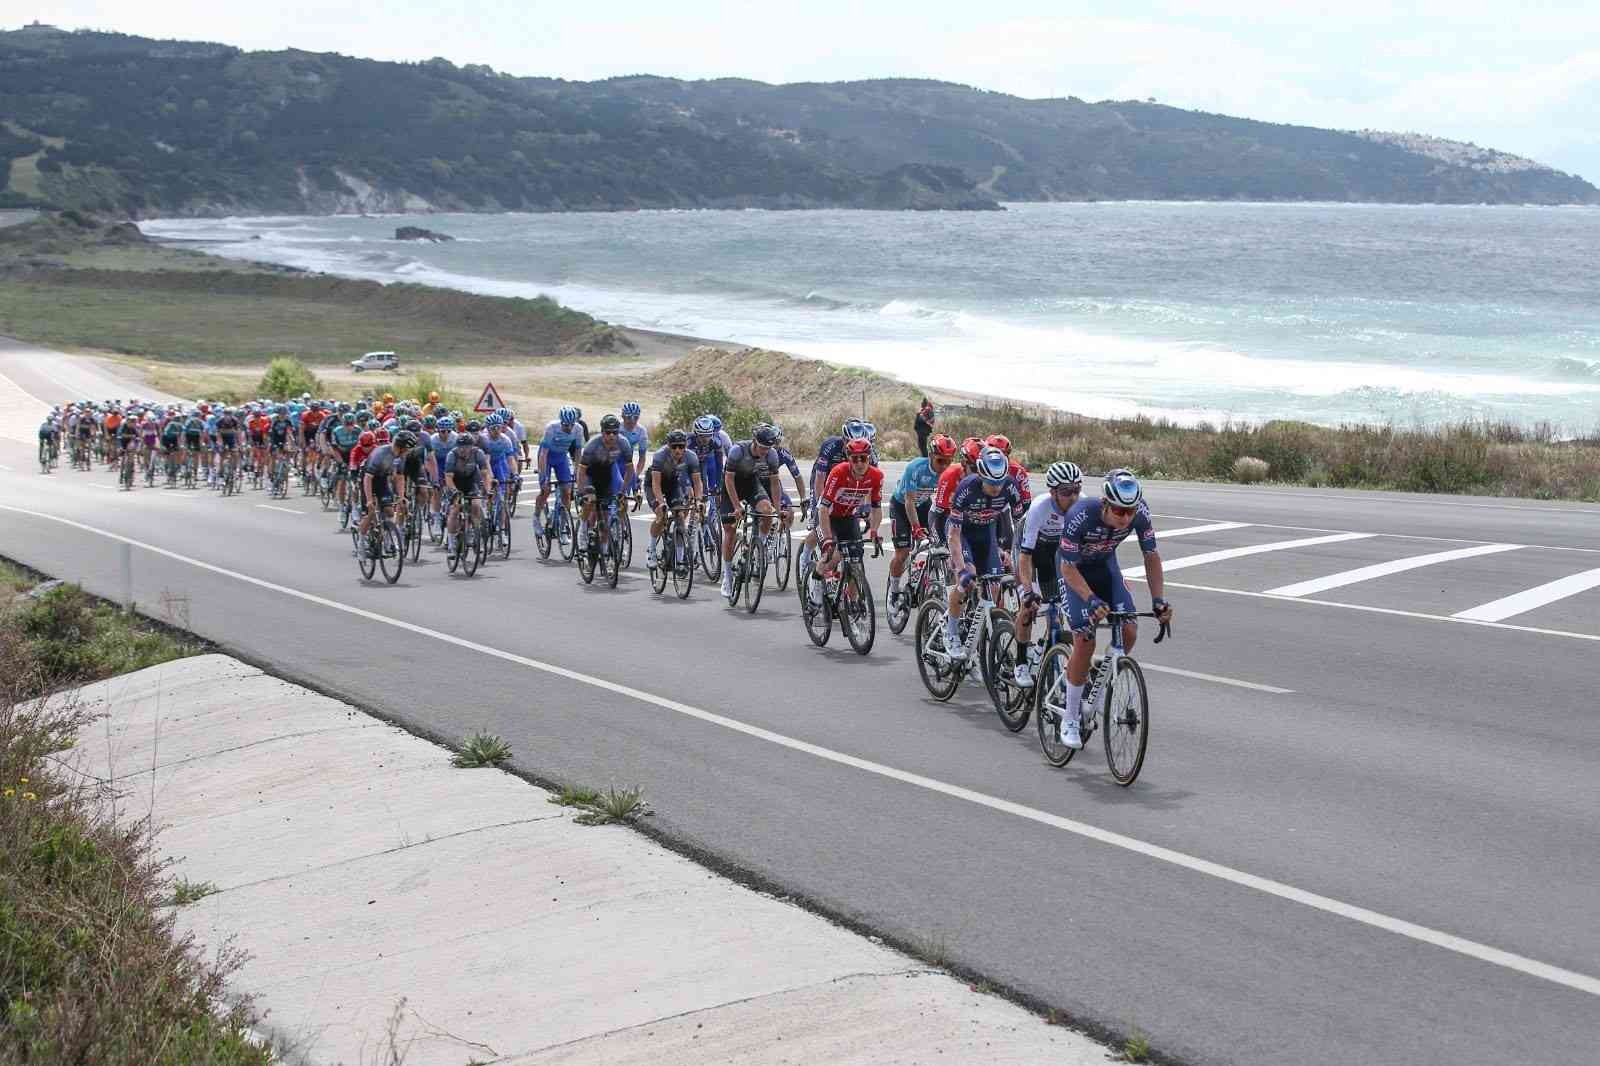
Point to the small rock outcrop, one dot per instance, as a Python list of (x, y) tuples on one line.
[(417, 233)]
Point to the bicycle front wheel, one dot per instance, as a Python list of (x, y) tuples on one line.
[(1050, 691), (815, 614), (783, 561), (710, 553), (682, 563), (364, 560), (755, 577), (858, 615), (899, 614), (541, 530), (392, 555), (939, 675), (505, 533), (1126, 723), (567, 534), (586, 563)]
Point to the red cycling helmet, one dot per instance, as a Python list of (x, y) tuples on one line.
[(858, 447), (382, 436), (367, 439), (942, 446), (971, 448), (1001, 441)]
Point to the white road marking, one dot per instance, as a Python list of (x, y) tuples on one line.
[(1396, 536), (1423, 934), (1385, 610), (1394, 566), (1254, 549), (1214, 527), (1528, 599), (285, 510), (1235, 682), (6, 468)]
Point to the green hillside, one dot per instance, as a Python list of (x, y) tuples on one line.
[(129, 125)]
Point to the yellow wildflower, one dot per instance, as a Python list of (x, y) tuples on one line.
[(9, 793), (29, 796)]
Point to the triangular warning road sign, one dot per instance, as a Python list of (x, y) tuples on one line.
[(489, 401)]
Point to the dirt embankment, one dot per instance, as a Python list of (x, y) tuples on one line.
[(781, 384)]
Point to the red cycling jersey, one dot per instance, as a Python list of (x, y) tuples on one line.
[(1019, 475), (358, 457), (842, 493), (945, 491)]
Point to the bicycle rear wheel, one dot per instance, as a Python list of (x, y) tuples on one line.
[(505, 532), (1126, 722), (586, 563), (613, 556), (783, 561), (541, 530), (858, 615), (818, 618), (1050, 690), (665, 560), (567, 533), (452, 556), (897, 615), (710, 553), (939, 676), (755, 573), (1011, 703)]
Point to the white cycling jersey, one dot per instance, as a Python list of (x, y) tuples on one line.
[(1044, 522)]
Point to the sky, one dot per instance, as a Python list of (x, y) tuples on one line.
[(1520, 77)]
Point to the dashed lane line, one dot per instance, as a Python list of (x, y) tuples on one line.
[(1526, 600), (1214, 527), (1167, 566), (274, 507), (1374, 919), (1254, 686)]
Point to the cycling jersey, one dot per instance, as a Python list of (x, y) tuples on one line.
[(1086, 540), (601, 460), (677, 475), (381, 463), (749, 469), (1042, 527), (358, 457), (972, 507), (919, 480), (711, 454), (500, 450), (258, 425), (557, 439), (47, 429), (844, 493), (949, 481), (278, 431), (467, 467), (345, 437), (1019, 477), (829, 455)]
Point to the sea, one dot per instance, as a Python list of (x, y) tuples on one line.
[(1328, 313)]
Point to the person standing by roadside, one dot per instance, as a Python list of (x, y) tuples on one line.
[(924, 426)]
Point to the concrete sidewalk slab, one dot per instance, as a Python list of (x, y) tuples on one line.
[(370, 880)]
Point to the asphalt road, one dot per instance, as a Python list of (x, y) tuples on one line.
[(1382, 850)]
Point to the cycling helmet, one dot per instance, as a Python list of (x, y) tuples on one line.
[(567, 416), (405, 440), (446, 424), (492, 421), (430, 422), (504, 413), (765, 436), (716, 423), (942, 445), (391, 424), (511, 416), (971, 448), (855, 429), (704, 426), (631, 410), (610, 424), (677, 436), (1001, 441), (1063, 474), (368, 438), (412, 425), (280, 410), (440, 411), (348, 418), (577, 410), (388, 397), (381, 436), (994, 467), (858, 447), (1122, 488), (474, 426)]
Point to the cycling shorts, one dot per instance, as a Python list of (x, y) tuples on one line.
[(1105, 580), (559, 464), (900, 520), (1046, 574), (229, 441), (846, 530), (752, 495), (980, 547), (47, 434), (382, 491), (673, 492), (469, 484)]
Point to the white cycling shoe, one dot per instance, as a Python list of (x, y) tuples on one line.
[(1070, 734), (1022, 675)]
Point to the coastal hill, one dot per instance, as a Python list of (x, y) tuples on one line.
[(139, 127)]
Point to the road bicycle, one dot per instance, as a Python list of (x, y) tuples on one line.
[(747, 567), (709, 540), (780, 550), (463, 550), (554, 527), (413, 523), (846, 596), (1116, 702), (383, 547), (499, 522), (925, 578), (230, 473), (279, 478), (942, 673), (675, 554), (125, 474), (1012, 702), (46, 455), (605, 559)]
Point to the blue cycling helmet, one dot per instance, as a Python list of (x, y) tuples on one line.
[(447, 424), (511, 416), (716, 423), (765, 436), (855, 429), (993, 466), (631, 410), (1122, 488), (505, 414), (705, 425), (492, 420), (568, 415), (280, 410)]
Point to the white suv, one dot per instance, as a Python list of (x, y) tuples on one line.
[(376, 361)]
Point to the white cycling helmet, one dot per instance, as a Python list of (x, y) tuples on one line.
[(1063, 473), (1122, 488)]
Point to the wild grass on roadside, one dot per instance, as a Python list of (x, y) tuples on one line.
[(481, 749), (603, 808), (91, 968), (1136, 1048), (185, 891), (424, 383)]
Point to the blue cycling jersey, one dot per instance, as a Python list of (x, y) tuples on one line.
[(711, 453), (1086, 540), (919, 480), (972, 508), (786, 458), (639, 437), (557, 439), (500, 450)]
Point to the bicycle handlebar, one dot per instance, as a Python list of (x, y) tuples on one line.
[(1122, 616)]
